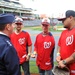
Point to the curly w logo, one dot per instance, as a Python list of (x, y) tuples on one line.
[(47, 45), (69, 40)]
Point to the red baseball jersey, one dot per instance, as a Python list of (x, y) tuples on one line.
[(44, 46), (21, 41), (67, 46)]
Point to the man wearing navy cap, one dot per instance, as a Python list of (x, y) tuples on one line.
[(9, 61), (66, 44)]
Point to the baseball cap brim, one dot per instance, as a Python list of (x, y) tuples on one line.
[(61, 19), (45, 23)]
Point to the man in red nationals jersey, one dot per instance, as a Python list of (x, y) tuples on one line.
[(66, 44), (44, 48), (23, 45)]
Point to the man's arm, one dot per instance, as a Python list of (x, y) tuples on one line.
[(33, 55), (58, 49), (29, 52), (29, 45), (58, 58), (70, 59), (66, 61)]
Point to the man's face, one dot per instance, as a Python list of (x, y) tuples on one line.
[(45, 28), (67, 22), (10, 28), (19, 26)]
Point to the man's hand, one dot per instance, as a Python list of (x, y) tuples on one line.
[(33, 55), (27, 58), (61, 64), (58, 59)]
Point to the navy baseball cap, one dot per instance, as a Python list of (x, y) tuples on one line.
[(7, 18), (67, 14)]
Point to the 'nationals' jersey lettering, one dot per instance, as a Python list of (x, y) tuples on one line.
[(21, 41), (47, 45), (69, 40)]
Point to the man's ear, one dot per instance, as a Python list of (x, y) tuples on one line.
[(7, 26), (71, 17)]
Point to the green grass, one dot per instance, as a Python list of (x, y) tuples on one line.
[(55, 63), (40, 29), (33, 67)]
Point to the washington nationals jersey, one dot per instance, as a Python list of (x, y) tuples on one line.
[(21, 41), (44, 46), (67, 46)]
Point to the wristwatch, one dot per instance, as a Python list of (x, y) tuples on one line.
[(64, 62)]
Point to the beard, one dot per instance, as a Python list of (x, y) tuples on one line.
[(65, 26)]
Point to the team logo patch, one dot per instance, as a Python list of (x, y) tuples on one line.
[(21, 41), (69, 40), (47, 45)]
